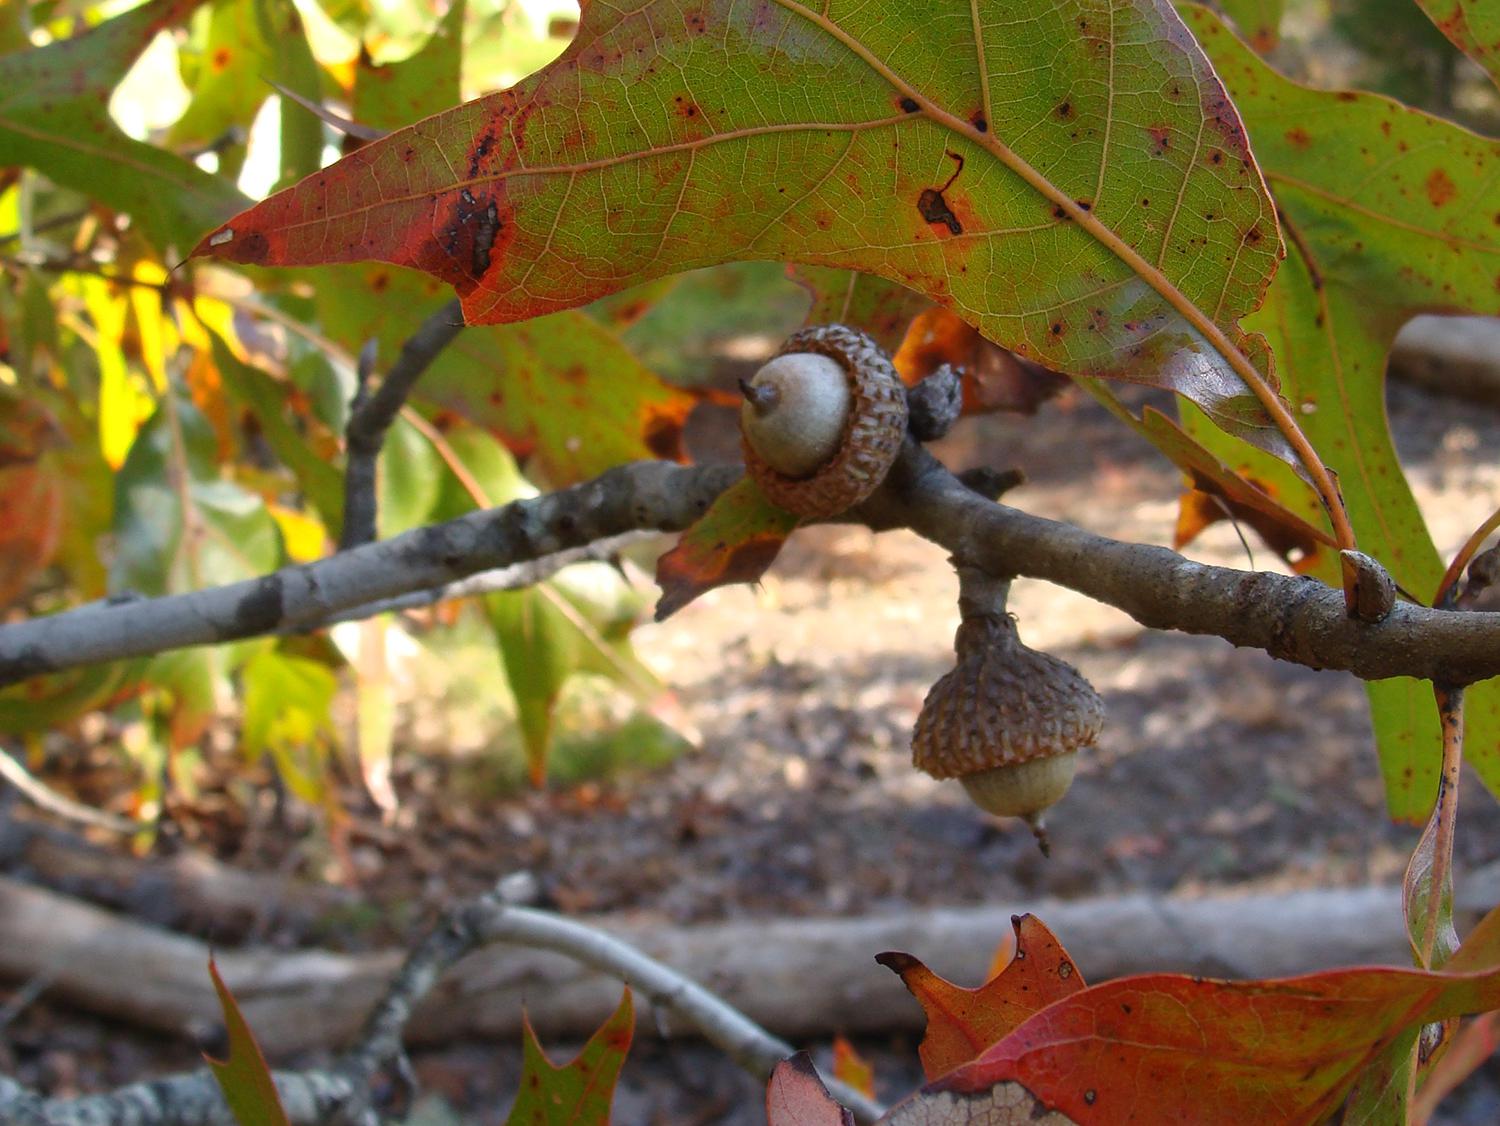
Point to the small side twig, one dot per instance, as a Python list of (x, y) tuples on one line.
[(49, 799), (371, 415), (515, 577)]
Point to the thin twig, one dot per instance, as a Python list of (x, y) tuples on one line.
[(515, 577), (372, 414), (53, 802)]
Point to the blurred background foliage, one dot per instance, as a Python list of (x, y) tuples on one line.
[(164, 429)]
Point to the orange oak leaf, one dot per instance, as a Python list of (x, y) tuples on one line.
[(735, 541), (994, 379), (1167, 1048), (962, 1023)]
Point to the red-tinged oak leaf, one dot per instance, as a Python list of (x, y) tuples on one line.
[(736, 540), (578, 1093), (1165, 1048), (1473, 26), (796, 1096), (31, 523), (1102, 214), (994, 379), (243, 1075), (962, 1023)]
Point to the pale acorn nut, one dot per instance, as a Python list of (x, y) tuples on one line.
[(823, 421), (1007, 722)]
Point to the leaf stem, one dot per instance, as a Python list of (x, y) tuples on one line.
[(1462, 559)]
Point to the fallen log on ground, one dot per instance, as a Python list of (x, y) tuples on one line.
[(796, 977), (1451, 355)]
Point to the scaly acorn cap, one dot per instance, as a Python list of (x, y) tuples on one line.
[(1002, 706), (871, 435)]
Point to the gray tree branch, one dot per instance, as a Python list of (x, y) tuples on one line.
[(1295, 619), (342, 1092)]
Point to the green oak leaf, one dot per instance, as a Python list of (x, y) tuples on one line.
[(1387, 212), (54, 118), (581, 1091)]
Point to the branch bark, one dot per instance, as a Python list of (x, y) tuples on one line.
[(1294, 619)]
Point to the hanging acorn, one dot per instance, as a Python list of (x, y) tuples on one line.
[(1008, 721)]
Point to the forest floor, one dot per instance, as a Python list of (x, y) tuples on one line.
[(1217, 767)]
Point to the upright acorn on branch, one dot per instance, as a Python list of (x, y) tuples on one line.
[(823, 421), (1008, 721)]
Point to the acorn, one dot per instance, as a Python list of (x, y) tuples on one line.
[(1008, 721), (823, 421)]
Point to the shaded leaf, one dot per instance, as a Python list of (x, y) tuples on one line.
[(54, 118), (31, 522), (1259, 21), (243, 1076), (289, 427), (45, 703), (993, 378), (880, 308), (1388, 212), (1165, 1048), (578, 1093), (551, 632), (735, 541), (795, 1096), (1215, 491), (1473, 26), (889, 134), (962, 1023), (1379, 1094), (561, 389), (222, 534), (417, 86)]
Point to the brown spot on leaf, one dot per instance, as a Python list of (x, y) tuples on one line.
[(908, 105), (1440, 189), (221, 58), (1298, 138), (1161, 138)]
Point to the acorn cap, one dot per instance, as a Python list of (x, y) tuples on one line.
[(873, 431), (1002, 705)]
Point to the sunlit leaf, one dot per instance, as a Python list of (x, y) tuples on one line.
[(287, 704), (54, 117), (962, 1023), (1164, 1048)]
